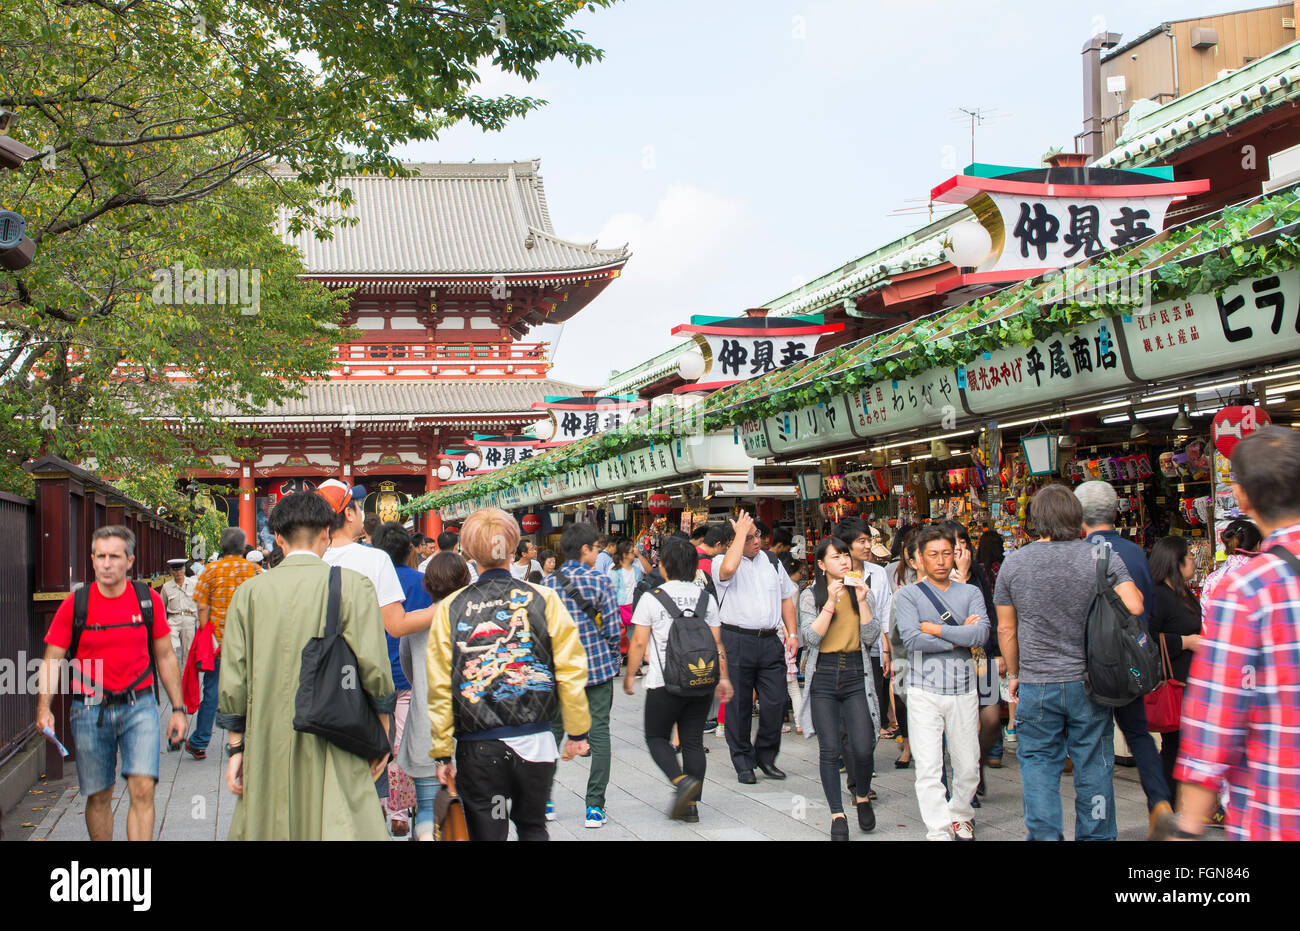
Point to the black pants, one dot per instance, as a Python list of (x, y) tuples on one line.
[(488, 774), (1169, 754), (839, 704), (1132, 721), (882, 689), (662, 711), (755, 664)]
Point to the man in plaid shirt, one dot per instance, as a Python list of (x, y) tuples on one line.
[(589, 596), (1241, 717)]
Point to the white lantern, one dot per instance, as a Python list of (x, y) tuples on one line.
[(544, 429), (690, 365), (970, 244), (444, 472), (473, 460)]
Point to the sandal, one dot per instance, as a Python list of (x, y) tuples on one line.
[(900, 763), (889, 733)]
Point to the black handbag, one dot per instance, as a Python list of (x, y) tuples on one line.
[(330, 702)]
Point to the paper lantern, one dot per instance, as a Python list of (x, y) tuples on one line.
[(660, 504), (970, 244), (544, 429), (444, 472), (473, 460), (530, 523), (1233, 424), (690, 365)]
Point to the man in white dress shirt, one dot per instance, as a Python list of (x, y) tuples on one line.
[(756, 605)]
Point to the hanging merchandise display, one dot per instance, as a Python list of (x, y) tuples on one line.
[(1229, 427)]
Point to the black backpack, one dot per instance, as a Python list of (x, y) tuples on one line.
[(690, 662), (649, 582), (330, 702), (1123, 661), (80, 613)]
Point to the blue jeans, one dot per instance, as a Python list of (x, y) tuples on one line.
[(207, 709), (131, 729), (1054, 719), (426, 789)]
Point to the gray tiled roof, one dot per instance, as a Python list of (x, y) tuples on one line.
[(448, 219), (418, 398)]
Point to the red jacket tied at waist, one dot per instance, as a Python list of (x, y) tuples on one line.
[(202, 658)]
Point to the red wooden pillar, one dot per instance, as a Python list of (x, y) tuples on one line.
[(247, 502)]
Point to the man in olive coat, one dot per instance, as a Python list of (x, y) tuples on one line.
[(292, 785)]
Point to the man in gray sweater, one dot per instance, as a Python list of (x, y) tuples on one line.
[(939, 621)]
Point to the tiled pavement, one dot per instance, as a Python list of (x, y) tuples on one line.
[(193, 803)]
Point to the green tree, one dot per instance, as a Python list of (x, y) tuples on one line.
[(186, 131)]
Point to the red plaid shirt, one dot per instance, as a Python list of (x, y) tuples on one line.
[(1241, 709)]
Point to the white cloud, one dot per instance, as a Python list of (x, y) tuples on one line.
[(675, 264)]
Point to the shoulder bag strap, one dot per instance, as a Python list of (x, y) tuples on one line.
[(577, 597), (333, 601), (1103, 566), (945, 616), (80, 610), (702, 605), (144, 595), (1165, 662), (1284, 554), (670, 606)]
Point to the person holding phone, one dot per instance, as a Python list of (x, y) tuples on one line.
[(836, 624)]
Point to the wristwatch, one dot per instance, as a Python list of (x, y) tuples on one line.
[(442, 760), (234, 749)]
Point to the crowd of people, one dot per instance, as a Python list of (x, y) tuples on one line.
[(486, 662)]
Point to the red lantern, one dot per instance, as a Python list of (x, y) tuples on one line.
[(660, 504), (1233, 424), (530, 523)]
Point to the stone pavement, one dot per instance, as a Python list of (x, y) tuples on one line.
[(193, 803)]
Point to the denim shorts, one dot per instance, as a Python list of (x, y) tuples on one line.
[(131, 729)]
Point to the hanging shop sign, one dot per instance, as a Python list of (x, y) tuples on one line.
[(923, 400), (753, 436), (735, 349), (575, 418), (1251, 319), (1064, 365), (635, 467), (717, 452), (1029, 221), (822, 424), (497, 452)]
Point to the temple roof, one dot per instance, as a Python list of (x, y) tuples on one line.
[(449, 219), (429, 398)]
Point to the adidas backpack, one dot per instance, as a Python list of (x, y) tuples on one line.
[(1123, 661), (690, 662)]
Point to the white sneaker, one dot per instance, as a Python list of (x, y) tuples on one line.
[(963, 830)]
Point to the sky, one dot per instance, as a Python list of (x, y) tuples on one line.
[(744, 147)]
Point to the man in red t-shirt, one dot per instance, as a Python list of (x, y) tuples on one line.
[(113, 705)]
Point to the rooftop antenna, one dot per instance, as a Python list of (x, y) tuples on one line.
[(978, 117)]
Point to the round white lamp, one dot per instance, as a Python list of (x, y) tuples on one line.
[(444, 472), (690, 365), (544, 429), (473, 460), (970, 244)]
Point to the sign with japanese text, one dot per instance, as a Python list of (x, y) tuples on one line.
[(635, 467), (1052, 232), (497, 452), (1254, 318), (1059, 367), (576, 418), (810, 427), (753, 436), (739, 348), (923, 400), (717, 452)]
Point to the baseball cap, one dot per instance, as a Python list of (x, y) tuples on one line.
[(339, 493), (178, 563)]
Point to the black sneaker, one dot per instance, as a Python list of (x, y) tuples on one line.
[(194, 752), (686, 793), (711, 726), (839, 829)]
